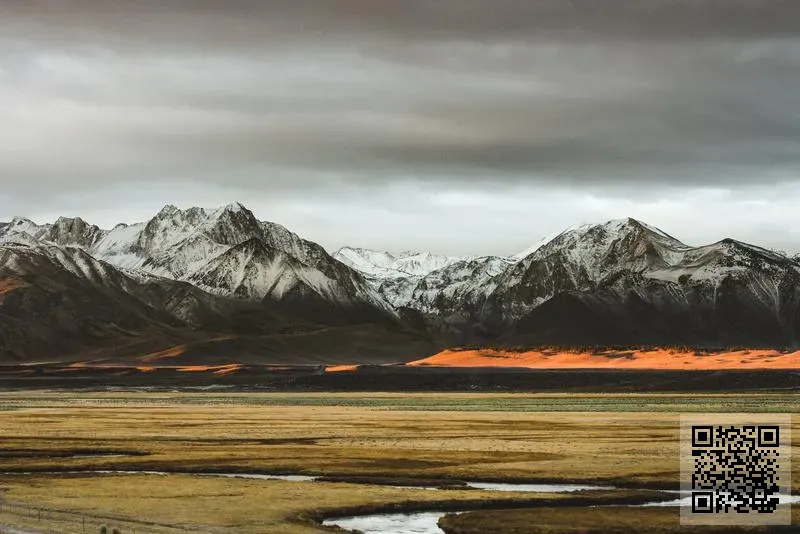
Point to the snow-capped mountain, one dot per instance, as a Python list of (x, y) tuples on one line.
[(561, 289), (580, 258), (444, 289), (371, 263), (379, 265), (627, 282), (59, 300), (586, 253), (64, 231), (58, 303), (21, 230), (223, 270), (225, 251), (187, 276), (458, 282), (588, 257)]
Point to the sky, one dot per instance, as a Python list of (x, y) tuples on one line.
[(455, 126)]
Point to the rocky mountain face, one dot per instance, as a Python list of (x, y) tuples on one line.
[(183, 276), (225, 251), (618, 283), (53, 300), (631, 284), (193, 277)]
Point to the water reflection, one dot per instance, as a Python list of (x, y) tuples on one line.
[(419, 523)]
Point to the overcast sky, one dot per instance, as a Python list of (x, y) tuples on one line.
[(457, 126)]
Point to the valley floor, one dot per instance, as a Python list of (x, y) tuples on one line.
[(399, 378), (54, 444)]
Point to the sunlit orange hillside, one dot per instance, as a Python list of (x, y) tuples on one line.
[(633, 359), (340, 368), (9, 284)]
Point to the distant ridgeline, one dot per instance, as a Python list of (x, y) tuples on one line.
[(225, 282)]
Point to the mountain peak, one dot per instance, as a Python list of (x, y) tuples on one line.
[(24, 229), (234, 210), (235, 213), (618, 228), (614, 228), (634, 222), (234, 207), (641, 225), (19, 221), (593, 251), (622, 224), (167, 211), (70, 222), (69, 219), (71, 231)]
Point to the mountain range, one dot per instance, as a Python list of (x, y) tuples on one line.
[(622, 282), (197, 285)]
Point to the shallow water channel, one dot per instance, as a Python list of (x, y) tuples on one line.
[(428, 522), (404, 523)]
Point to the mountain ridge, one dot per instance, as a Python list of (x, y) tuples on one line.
[(193, 274), (187, 275)]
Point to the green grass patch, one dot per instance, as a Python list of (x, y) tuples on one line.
[(664, 403)]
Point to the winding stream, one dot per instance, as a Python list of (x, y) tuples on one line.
[(419, 523), (398, 523), (428, 522)]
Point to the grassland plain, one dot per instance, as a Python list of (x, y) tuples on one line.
[(624, 440), (600, 520)]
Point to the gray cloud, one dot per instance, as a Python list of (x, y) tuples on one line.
[(311, 103), (241, 22)]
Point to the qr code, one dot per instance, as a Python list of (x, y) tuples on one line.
[(739, 467), (735, 469)]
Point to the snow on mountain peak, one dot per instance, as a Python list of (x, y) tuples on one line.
[(228, 251), (167, 211), (375, 265), (613, 227), (588, 253), (22, 230), (407, 253), (380, 265), (612, 233), (424, 263), (22, 224), (364, 257), (234, 207)]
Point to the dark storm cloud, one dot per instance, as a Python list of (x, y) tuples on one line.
[(677, 113), (213, 22), (307, 98)]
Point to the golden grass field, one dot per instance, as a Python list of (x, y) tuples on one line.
[(431, 436)]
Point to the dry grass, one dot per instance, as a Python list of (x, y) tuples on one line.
[(331, 439), (204, 504), (607, 519)]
